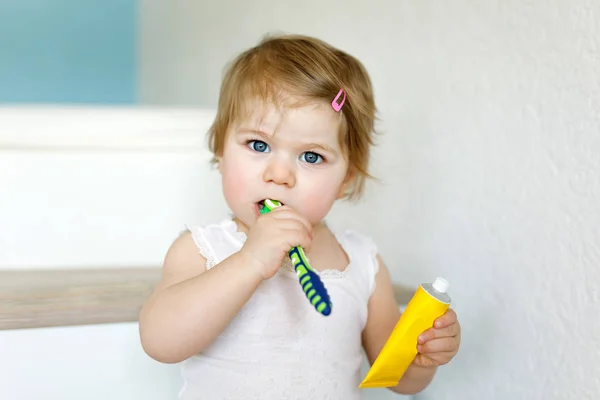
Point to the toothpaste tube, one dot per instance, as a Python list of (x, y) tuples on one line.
[(429, 302)]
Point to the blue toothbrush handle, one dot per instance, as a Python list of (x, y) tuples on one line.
[(311, 283)]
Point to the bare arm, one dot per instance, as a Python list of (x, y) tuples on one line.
[(191, 306), (383, 314)]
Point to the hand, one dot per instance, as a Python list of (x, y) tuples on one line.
[(272, 236), (438, 345)]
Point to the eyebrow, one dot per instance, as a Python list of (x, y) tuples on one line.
[(264, 135), (254, 131)]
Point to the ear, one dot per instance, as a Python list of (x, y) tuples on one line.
[(218, 163), (350, 176)]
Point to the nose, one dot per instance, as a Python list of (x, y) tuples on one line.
[(280, 172)]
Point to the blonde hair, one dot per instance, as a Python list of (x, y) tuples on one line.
[(297, 66)]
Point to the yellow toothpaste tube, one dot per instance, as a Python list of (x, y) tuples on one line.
[(429, 302)]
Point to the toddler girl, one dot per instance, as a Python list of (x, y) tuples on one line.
[(295, 123)]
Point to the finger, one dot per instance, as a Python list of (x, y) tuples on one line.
[(434, 359), (295, 238), (423, 360), (433, 333), (294, 224), (284, 212), (448, 318), (438, 346)]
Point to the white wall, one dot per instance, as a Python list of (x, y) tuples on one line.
[(85, 184), (490, 162), (95, 187), (95, 362)]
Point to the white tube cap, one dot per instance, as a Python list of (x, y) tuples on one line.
[(441, 285)]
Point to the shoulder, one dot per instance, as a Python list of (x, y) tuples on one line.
[(357, 243), (359, 237), (191, 253), (363, 253), (224, 230), (183, 260)]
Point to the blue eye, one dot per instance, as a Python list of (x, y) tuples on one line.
[(312, 158), (258, 145)]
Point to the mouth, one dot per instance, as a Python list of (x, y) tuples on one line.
[(262, 209)]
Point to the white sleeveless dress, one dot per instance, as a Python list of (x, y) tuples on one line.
[(279, 346)]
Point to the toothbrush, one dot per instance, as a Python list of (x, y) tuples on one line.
[(313, 287)]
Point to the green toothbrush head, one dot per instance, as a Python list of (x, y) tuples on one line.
[(268, 205)]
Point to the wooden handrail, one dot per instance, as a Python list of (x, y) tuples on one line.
[(44, 298), (68, 297)]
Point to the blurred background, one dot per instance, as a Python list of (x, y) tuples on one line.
[(488, 160)]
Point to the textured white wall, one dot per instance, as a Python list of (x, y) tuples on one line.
[(489, 162)]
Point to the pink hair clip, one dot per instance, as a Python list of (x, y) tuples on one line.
[(338, 106)]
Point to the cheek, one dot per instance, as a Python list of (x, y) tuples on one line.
[(234, 180), (235, 176), (321, 196)]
